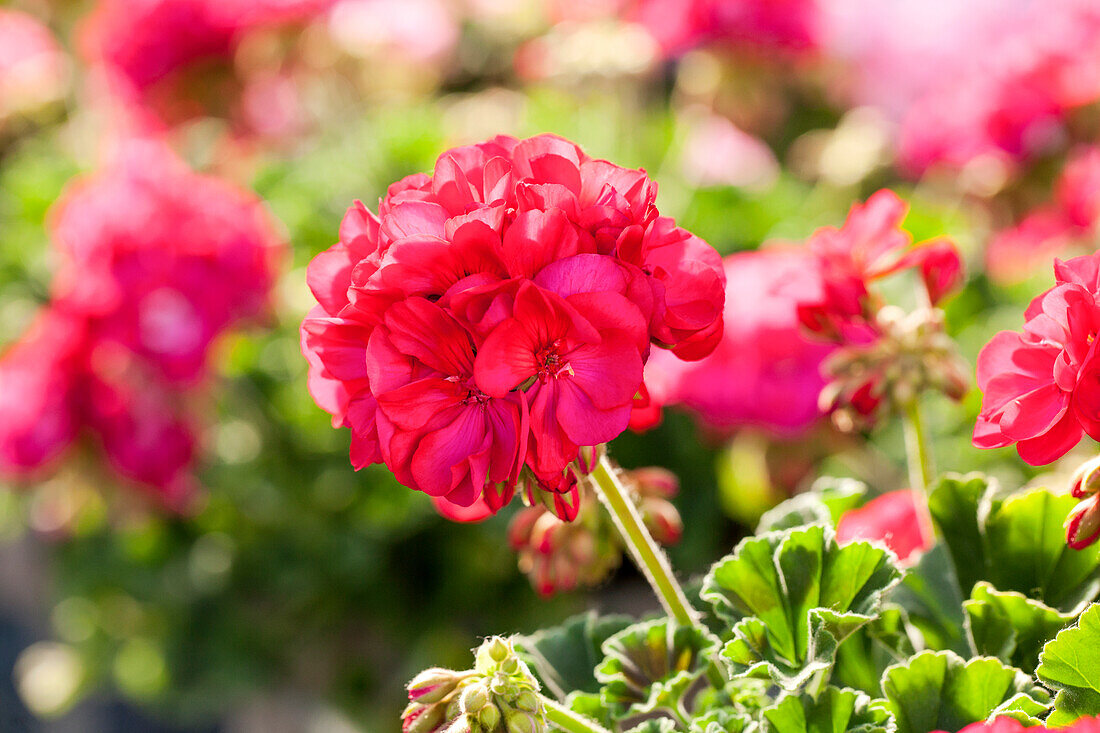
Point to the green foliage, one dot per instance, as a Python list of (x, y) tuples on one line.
[(834, 711), (1070, 664), (942, 691), (791, 597), (824, 503), (1010, 626), (564, 657), (931, 597), (649, 667), (1017, 542)]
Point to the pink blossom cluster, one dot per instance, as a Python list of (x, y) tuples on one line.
[(1041, 386), (963, 80), (1005, 724), (1068, 222), (896, 519), (494, 318), (789, 27), (155, 263), (154, 57), (766, 371)]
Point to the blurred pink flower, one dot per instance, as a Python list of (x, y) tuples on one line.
[(717, 153), (424, 31), (767, 27), (1018, 252), (894, 518), (156, 262), (765, 371), (968, 79), (33, 68)]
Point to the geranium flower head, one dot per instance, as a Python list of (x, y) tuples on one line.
[(1042, 385), (33, 68), (895, 519), (490, 324)]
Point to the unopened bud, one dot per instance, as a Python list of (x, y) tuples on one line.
[(528, 701), (419, 718), (461, 724), (1086, 479), (517, 721), (432, 685), (510, 665), (474, 698), (1083, 523), (655, 481), (489, 717), (491, 653)]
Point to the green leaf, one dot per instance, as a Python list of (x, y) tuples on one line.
[(655, 725), (1017, 543), (589, 704), (942, 691), (1025, 544), (931, 597), (650, 665), (793, 596), (865, 655), (836, 710), (954, 503), (722, 721), (563, 657), (1010, 626), (824, 503), (1070, 664)]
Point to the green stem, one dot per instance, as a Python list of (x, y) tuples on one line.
[(647, 554), (917, 450), (568, 721)]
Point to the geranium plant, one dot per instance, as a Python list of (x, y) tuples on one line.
[(487, 333)]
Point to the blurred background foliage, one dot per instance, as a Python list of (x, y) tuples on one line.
[(301, 587)]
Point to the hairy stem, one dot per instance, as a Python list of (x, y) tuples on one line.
[(646, 553), (917, 450), (568, 721)]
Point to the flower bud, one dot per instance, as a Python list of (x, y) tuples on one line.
[(432, 685), (1083, 523), (461, 724), (1086, 479), (528, 701), (419, 718), (474, 698), (517, 721), (489, 717)]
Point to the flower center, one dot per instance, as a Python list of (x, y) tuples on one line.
[(550, 363)]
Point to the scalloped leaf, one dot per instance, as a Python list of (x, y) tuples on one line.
[(655, 725), (1010, 626), (793, 596), (723, 721), (954, 503), (824, 503), (942, 691), (932, 599), (564, 656), (866, 654), (1070, 664), (1025, 545), (1015, 542), (649, 666), (836, 710)]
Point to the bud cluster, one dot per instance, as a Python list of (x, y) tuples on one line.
[(560, 556), (910, 353), (1083, 523), (499, 695)]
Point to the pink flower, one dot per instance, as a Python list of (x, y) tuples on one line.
[(1015, 253), (1005, 724), (789, 27), (765, 372), (163, 259), (1042, 386), (894, 519), (1077, 190), (871, 245), (33, 68), (493, 318), (155, 263)]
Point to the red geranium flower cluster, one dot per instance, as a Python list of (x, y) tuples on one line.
[(895, 519), (1006, 724), (870, 246), (494, 318), (1042, 386), (156, 263)]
